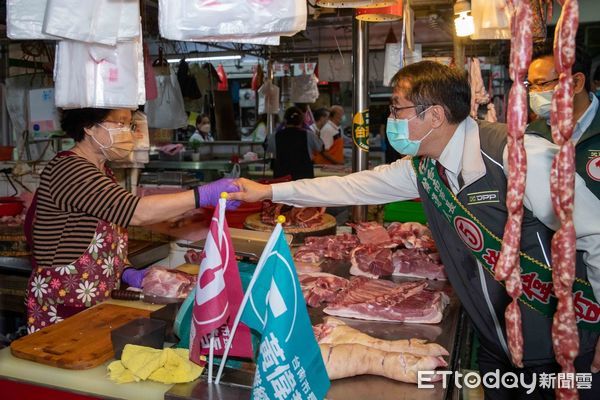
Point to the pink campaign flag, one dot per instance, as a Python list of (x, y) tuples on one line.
[(218, 295)]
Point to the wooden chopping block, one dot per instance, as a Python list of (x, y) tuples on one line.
[(326, 227), (191, 269), (80, 342)]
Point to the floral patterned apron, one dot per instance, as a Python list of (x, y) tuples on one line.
[(55, 293)]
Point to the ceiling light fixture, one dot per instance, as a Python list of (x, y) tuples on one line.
[(464, 21), (380, 14), (200, 59)]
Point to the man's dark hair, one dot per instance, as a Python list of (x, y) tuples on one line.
[(432, 83), (581, 64), (597, 75), (294, 116), (74, 121), (320, 113)]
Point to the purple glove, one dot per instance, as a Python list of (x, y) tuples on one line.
[(133, 277), (208, 195)]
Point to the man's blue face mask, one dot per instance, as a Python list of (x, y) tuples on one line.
[(398, 135)]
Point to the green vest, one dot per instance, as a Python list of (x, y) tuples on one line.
[(587, 150)]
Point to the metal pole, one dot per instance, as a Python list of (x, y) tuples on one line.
[(270, 117), (458, 50), (360, 105)]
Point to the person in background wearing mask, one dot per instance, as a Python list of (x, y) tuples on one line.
[(203, 131), (321, 117), (455, 158), (331, 135), (259, 131), (77, 223), (542, 80), (293, 147)]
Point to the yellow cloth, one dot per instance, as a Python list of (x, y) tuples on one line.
[(166, 366)]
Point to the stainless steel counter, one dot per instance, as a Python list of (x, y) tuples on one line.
[(237, 384)]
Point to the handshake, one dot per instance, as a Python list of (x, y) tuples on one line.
[(240, 190)]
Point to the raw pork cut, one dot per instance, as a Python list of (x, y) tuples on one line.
[(378, 300), (317, 249), (168, 283), (417, 263), (346, 360), (411, 235), (320, 288), (372, 233), (371, 261), (334, 331)]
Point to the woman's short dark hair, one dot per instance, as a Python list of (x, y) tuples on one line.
[(200, 117), (294, 116), (432, 83), (74, 121)]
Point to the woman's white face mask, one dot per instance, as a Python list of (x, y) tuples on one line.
[(121, 143)]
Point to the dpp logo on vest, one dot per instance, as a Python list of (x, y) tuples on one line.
[(488, 196), (593, 168), (469, 233)]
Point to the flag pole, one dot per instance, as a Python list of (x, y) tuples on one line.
[(211, 353), (259, 267), (221, 220)]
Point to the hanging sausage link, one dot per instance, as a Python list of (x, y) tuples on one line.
[(565, 338), (508, 268)]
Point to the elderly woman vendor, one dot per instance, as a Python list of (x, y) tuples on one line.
[(80, 217)]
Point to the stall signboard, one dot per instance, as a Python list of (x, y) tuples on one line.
[(360, 130)]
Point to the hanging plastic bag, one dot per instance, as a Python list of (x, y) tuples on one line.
[(257, 78), (268, 98), (335, 67), (103, 21), (492, 19), (25, 18), (222, 85), (94, 75), (234, 173), (304, 89), (245, 21), (392, 62), (167, 110)]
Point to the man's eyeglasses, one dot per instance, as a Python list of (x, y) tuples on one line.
[(395, 111), (541, 86)]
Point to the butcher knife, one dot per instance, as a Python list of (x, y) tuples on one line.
[(131, 295)]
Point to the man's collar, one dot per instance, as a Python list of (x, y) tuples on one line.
[(451, 157)]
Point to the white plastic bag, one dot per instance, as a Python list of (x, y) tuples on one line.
[(393, 61), (492, 19), (24, 19), (268, 98), (335, 68), (231, 20), (100, 21), (167, 110), (234, 173), (95, 75), (304, 89)]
